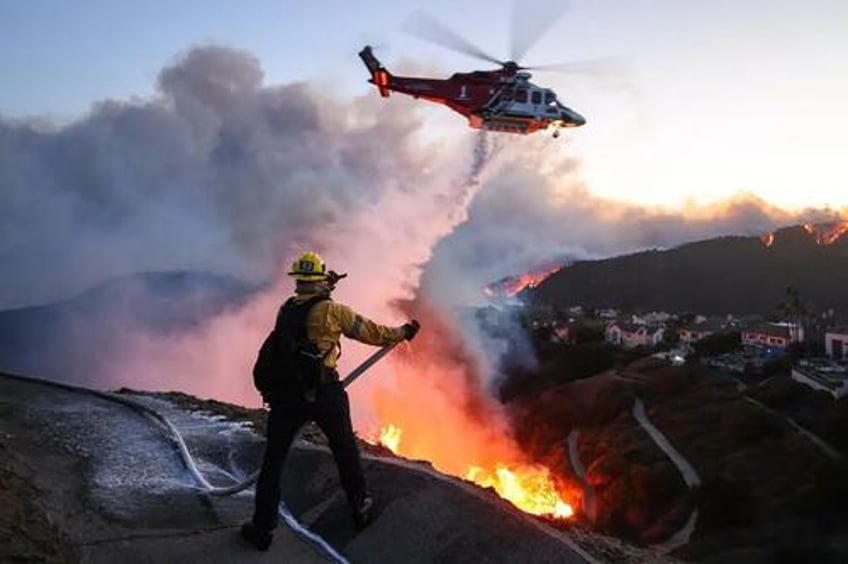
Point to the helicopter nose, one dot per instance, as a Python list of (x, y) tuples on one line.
[(574, 119)]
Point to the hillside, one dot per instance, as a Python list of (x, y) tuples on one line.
[(56, 340), (767, 493), (724, 275)]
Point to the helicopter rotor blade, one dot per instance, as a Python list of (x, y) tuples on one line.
[(530, 24), (426, 27), (595, 67)]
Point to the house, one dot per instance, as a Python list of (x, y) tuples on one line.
[(694, 332), (774, 337), (630, 335), (836, 343), (608, 314), (652, 318)]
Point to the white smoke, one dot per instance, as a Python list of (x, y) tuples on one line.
[(221, 172), (218, 172)]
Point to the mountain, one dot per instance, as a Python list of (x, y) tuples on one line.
[(740, 275), (71, 340)]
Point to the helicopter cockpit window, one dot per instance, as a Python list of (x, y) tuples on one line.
[(536, 97), (521, 96), (550, 99)]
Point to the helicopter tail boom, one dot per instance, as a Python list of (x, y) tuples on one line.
[(380, 77)]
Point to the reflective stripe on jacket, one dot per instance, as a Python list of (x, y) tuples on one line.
[(328, 321)]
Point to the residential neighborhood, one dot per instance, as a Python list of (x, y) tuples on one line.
[(749, 344)]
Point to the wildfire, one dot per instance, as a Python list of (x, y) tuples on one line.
[(529, 488), (827, 234), (433, 405), (767, 239), (390, 437), (513, 285)]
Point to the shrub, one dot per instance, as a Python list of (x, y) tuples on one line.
[(824, 499), (723, 504), (744, 423), (718, 343)]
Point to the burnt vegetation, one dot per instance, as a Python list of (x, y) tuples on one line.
[(767, 492), (718, 276)]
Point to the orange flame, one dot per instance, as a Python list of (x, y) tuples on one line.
[(827, 234), (529, 488), (390, 437), (434, 395), (513, 285), (767, 239)]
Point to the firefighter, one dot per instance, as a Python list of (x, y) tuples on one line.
[(321, 322)]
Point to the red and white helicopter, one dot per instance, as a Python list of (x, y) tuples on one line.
[(498, 100)]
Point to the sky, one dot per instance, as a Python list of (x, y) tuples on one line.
[(705, 99)]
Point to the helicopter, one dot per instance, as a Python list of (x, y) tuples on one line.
[(501, 100)]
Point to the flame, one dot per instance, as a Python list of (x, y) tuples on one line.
[(767, 239), (827, 234), (513, 285), (529, 488), (434, 395), (390, 437)]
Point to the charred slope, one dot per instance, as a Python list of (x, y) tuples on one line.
[(69, 340), (767, 493), (724, 275)]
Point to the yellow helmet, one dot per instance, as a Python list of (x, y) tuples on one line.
[(309, 268)]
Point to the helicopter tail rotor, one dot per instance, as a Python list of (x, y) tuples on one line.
[(380, 77)]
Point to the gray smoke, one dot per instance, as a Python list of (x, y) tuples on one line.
[(218, 172), (522, 219)]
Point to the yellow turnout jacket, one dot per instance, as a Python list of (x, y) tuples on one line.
[(328, 321)]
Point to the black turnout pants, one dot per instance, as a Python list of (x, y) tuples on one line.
[(331, 411)]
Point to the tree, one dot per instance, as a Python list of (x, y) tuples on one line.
[(718, 343)]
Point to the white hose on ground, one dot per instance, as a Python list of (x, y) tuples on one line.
[(188, 460), (190, 463), (198, 476)]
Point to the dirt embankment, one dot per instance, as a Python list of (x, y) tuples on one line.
[(26, 532)]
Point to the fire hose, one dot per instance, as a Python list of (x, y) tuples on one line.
[(235, 488), (188, 460)]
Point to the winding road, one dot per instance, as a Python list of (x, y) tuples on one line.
[(590, 499), (819, 442), (687, 472)]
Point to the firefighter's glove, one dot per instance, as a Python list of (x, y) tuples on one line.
[(410, 330)]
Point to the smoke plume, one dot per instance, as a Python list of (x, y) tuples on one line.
[(223, 173)]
